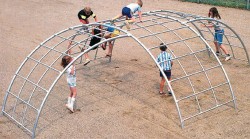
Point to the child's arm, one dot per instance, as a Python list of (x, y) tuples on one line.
[(94, 16), (72, 70), (69, 51), (95, 19), (140, 15)]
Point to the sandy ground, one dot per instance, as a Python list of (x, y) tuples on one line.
[(117, 107)]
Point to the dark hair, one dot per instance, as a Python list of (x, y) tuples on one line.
[(214, 12), (65, 61), (163, 47)]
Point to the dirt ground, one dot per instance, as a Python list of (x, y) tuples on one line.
[(120, 101)]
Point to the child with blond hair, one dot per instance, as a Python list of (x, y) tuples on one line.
[(128, 12), (84, 14)]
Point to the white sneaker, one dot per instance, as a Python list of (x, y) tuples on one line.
[(127, 24), (69, 101), (227, 58), (71, 105), (86, 62)]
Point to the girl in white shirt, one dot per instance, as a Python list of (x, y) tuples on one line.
[(71, 80)]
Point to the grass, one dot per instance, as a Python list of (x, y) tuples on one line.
[(242, 4)]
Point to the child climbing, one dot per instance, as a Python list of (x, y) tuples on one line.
[(96, 38), (84, 14), (112, 32), (219, 32), (128, 11)]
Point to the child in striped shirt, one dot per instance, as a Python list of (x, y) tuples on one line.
[(165, 61)]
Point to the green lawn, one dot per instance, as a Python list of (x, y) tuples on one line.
[(227, 3)]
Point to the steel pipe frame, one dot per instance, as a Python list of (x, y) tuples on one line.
[(186, 73), (199, 19), (127, 34)]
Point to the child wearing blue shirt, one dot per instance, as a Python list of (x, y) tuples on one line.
[(165, 61)]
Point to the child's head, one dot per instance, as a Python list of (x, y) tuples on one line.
[(140, 2), (213, 12), (66, 60), (87, 10), (163, 47)]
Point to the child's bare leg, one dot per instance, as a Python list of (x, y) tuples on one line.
[(86, 55), (73, 92), (216, 46), (118, 16), (169, 79), (84, 21), (131, 20), (110, 48), (162, 84), (223, 48)]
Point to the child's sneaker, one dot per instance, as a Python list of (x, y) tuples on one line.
[(127, 24), (86, 62), (228, 57), (169, 93), (70, 107), (218, 53)]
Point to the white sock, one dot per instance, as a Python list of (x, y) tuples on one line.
[(72, 102), (69, 100)]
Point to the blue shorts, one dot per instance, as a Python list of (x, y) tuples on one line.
[(167, 73), (218, 36), (126, 11)]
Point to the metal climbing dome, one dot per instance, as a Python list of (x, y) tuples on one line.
[(195, 89)]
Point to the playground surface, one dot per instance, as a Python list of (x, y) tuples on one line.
[(118, 99)]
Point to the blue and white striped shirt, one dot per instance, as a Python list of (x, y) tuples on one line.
[(164, 59)]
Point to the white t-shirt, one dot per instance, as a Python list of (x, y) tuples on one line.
[(134, 7)]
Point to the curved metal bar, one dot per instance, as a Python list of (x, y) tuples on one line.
[(59, 76), (200, 65), (126, 34), (167, 81)]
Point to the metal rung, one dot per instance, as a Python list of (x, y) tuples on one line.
[(207, 110), (32, 82), (220, 33), (201, 92), (225, 43), (44, 64), (190, 54), (23, 101), (166, 22), (186, 55), (188, 75), (153, 34), (17, 122), (176, 42), (53, 49)]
